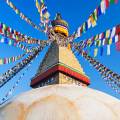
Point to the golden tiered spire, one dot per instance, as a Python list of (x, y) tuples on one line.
[(60, 26), (59, 66)]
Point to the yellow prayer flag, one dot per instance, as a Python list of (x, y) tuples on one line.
[(92, 21), (28, 41), (38, 6), (110, 41), (107, 33), (95, 52), (1, 61)]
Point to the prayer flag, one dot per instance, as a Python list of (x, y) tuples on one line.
[(103, 7), (117, 29), (109, 41), (38, 6), (107, 33), (112, 1), (84, 28), (95, 52), (42, 1), (113, 32), (1, 61), (103, 42), (93, 21), (118, 46), (2, 40), (116, 38), (78, 32), (89, 23), (107, 3), (116, 1), (108, 49), (118, 43)]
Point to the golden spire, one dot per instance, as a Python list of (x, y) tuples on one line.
[(60, 26)]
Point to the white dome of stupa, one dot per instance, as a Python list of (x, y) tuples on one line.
[(62, 102)]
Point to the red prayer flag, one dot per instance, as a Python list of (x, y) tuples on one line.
[(118, 43), (0, 30), (103, 35), (117, 30), (116, 1), (118, 46), (16, 33), (10, 36), (81, 30), (8, 29), (5, 60), (107, 3)]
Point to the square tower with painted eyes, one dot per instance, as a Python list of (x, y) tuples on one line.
[(59, 66)]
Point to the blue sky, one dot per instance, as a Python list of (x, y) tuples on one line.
[(75, 12)]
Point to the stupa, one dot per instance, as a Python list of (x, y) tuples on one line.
[(61, 89)]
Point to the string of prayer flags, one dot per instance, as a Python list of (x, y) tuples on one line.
[(106, 38), (11, 33), (11, 42), (38, 6), (10, 59), (44, 14), (114, 87), (14, 70), (92, 20), (109, 76), (44, 11), (17, 36), (12, 89), (22, 16)]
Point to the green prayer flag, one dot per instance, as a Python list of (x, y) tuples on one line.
[(11, 59), (98, 43), (95, 14), (112, 1), (42, 1), (96, 37), (109, 41)]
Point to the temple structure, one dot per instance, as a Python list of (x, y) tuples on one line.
[(59, 66), (62, 101)]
